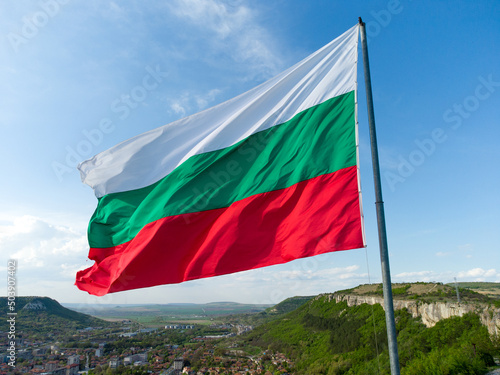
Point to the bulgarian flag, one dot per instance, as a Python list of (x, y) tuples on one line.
[(265, 178)]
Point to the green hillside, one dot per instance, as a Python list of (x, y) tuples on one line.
[(325, 337), (269, 314), (39, 315), (287, 305)]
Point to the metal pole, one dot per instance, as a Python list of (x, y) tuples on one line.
[(379, 204), (456, 288)]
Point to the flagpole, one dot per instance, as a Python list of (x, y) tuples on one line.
[(379, 204)]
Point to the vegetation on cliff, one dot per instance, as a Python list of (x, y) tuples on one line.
[(326, 337), (433, 292)]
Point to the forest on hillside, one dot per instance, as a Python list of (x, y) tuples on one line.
[(327, 338)]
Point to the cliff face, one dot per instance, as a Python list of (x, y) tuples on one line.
[(431, 313), (35, 305)]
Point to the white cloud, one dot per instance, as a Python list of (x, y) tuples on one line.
[(231, 29), (188, 102), (37, 243), (304, 279), (310, 272), (70, 270), (479, 274), (48, 254), (415, 276), (212, 15), (474, 274), (203, 101), (177, 107)]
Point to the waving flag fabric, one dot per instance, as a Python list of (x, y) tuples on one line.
[(265, 178)]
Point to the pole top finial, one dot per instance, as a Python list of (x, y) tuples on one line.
[(360, 21)]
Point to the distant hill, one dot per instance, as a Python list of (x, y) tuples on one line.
[(491, 290), (269, 314), (43, 314), (161, 314), (287, 305)]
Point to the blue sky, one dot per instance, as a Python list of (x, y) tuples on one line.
[(81, 76)]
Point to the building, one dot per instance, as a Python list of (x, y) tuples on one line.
[(178, 364), (73, 359), (39, 352), (114, 363), (51, 366), (179, 326), (25, 354), (147, 330), (72, 369), (130, 334), (59, 371), (138, 359)]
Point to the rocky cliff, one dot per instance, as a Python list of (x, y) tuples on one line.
[(433, 312), (35, 305)]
